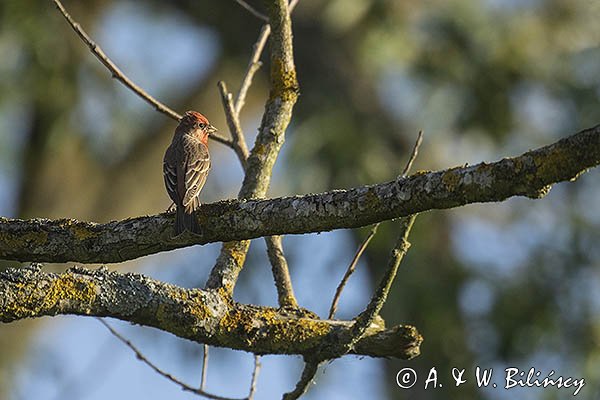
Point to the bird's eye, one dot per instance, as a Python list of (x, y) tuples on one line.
[(200, 125)]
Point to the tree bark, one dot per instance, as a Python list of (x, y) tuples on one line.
[(530, 174), (204, 316)]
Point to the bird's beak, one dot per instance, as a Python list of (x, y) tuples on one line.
[(211, 129)]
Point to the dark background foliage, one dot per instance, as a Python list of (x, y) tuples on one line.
[(497, 285)]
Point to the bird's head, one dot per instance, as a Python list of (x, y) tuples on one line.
[(195, 123)]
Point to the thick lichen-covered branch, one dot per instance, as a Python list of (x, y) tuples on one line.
[(530, 175), (201, 316)]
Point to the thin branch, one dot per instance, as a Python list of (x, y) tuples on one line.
[(119, 75), (281, 272), (366, 318), (253, 66), (308, 374), (223, 140), (252, 10), (140, 356), (255, 63), (204, 366), (233, 122), (350, 271), (255, 372), (413, 155), (115, 71), (365, 243)]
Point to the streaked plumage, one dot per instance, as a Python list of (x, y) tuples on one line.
[(185, 167)]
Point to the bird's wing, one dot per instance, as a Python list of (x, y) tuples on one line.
[(170, 174), (197, 165)]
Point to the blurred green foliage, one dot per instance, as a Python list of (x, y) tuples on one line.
[(504, 285)]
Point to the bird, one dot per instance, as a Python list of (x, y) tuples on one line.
[(185, 168)]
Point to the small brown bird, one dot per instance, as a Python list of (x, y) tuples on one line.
[(185, 168)]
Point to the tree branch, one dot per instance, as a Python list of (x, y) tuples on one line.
[(140, 356), (366, 318), (252, 10), (365, 243), (530, 175), (202, 316), (112, 67), (255, 372), (235, 128), (350, 270), (370, 315), (120, 76), (308, 374), (274, 244), (270, 138), (281, 272), (255, 63)]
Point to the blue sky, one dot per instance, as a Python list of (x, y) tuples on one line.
[(74, 357)]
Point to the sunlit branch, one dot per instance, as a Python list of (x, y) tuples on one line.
[(530, 174)]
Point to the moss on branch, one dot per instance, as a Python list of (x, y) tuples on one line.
[(202, 316), (529, 174)]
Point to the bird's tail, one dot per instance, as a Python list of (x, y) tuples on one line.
[(185, 221)]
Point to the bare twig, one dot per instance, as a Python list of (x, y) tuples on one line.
[(233, 122), (253, 66), (204, 366), (255, 373), (140, 356), (223, 140), (350, 271), (241, 97), (255, 63), (115, 71), (308, 373), (366, 318), (252, 10), (413, 155), (120, 76), (365, 243)]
